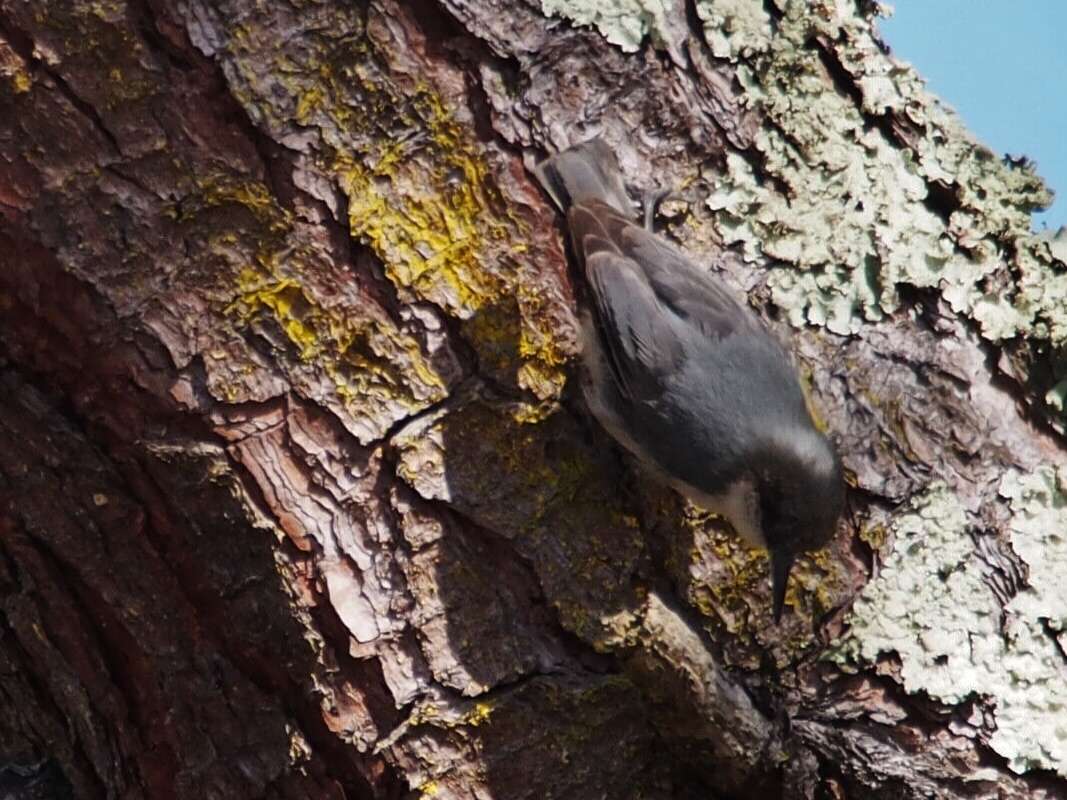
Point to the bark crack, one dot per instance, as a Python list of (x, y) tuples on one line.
[(22, 43)]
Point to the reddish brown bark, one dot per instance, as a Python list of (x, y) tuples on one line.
[(295, 497)]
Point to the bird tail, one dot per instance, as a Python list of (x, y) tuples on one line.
[(588, 171)]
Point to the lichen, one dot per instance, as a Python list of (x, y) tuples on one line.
[(1039, 537), (624, 23), (21, 81), (735, 28), (420, 192), (728, 582), (1057, 395), (345, 353), (932, 604), (364, 358), (431, 243), (425, 205), (220, 189), (856, 220), (479, 715), (740, 574), (842, 206)]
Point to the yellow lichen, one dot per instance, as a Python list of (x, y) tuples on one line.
[(815, 582), (875, 536), (359, 355), (534, 413), (479, 714), (220, 190), (423, 202), (421, 194), (429, 234), (309, 101), (21, 81)]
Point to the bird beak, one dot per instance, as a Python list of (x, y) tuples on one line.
[(781, 563)]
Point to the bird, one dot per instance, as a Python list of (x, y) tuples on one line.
[(687, 378)]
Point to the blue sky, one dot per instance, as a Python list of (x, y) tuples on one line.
[(1002, 64)]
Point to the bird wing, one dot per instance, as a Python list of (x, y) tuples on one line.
[(694, 295), (637, 334), (647, 294)]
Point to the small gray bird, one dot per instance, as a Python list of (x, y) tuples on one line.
[(687, 378)]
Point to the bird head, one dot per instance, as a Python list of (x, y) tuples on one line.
[(801, 494)]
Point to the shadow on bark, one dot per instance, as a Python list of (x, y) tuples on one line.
[(560, 625)]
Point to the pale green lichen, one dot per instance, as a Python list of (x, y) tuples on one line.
[(848, 207), (1039, 537), (933, 605), (1057, 395), (624, 23), (1057, 243), (732, 27), (735, 28)]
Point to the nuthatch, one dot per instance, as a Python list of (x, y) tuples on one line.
[(688, 379)]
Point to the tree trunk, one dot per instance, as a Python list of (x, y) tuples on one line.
[(297, 498)]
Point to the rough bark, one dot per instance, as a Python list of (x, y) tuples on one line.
[(297, 498)]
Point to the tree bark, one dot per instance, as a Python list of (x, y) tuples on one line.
[(297, 498)]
